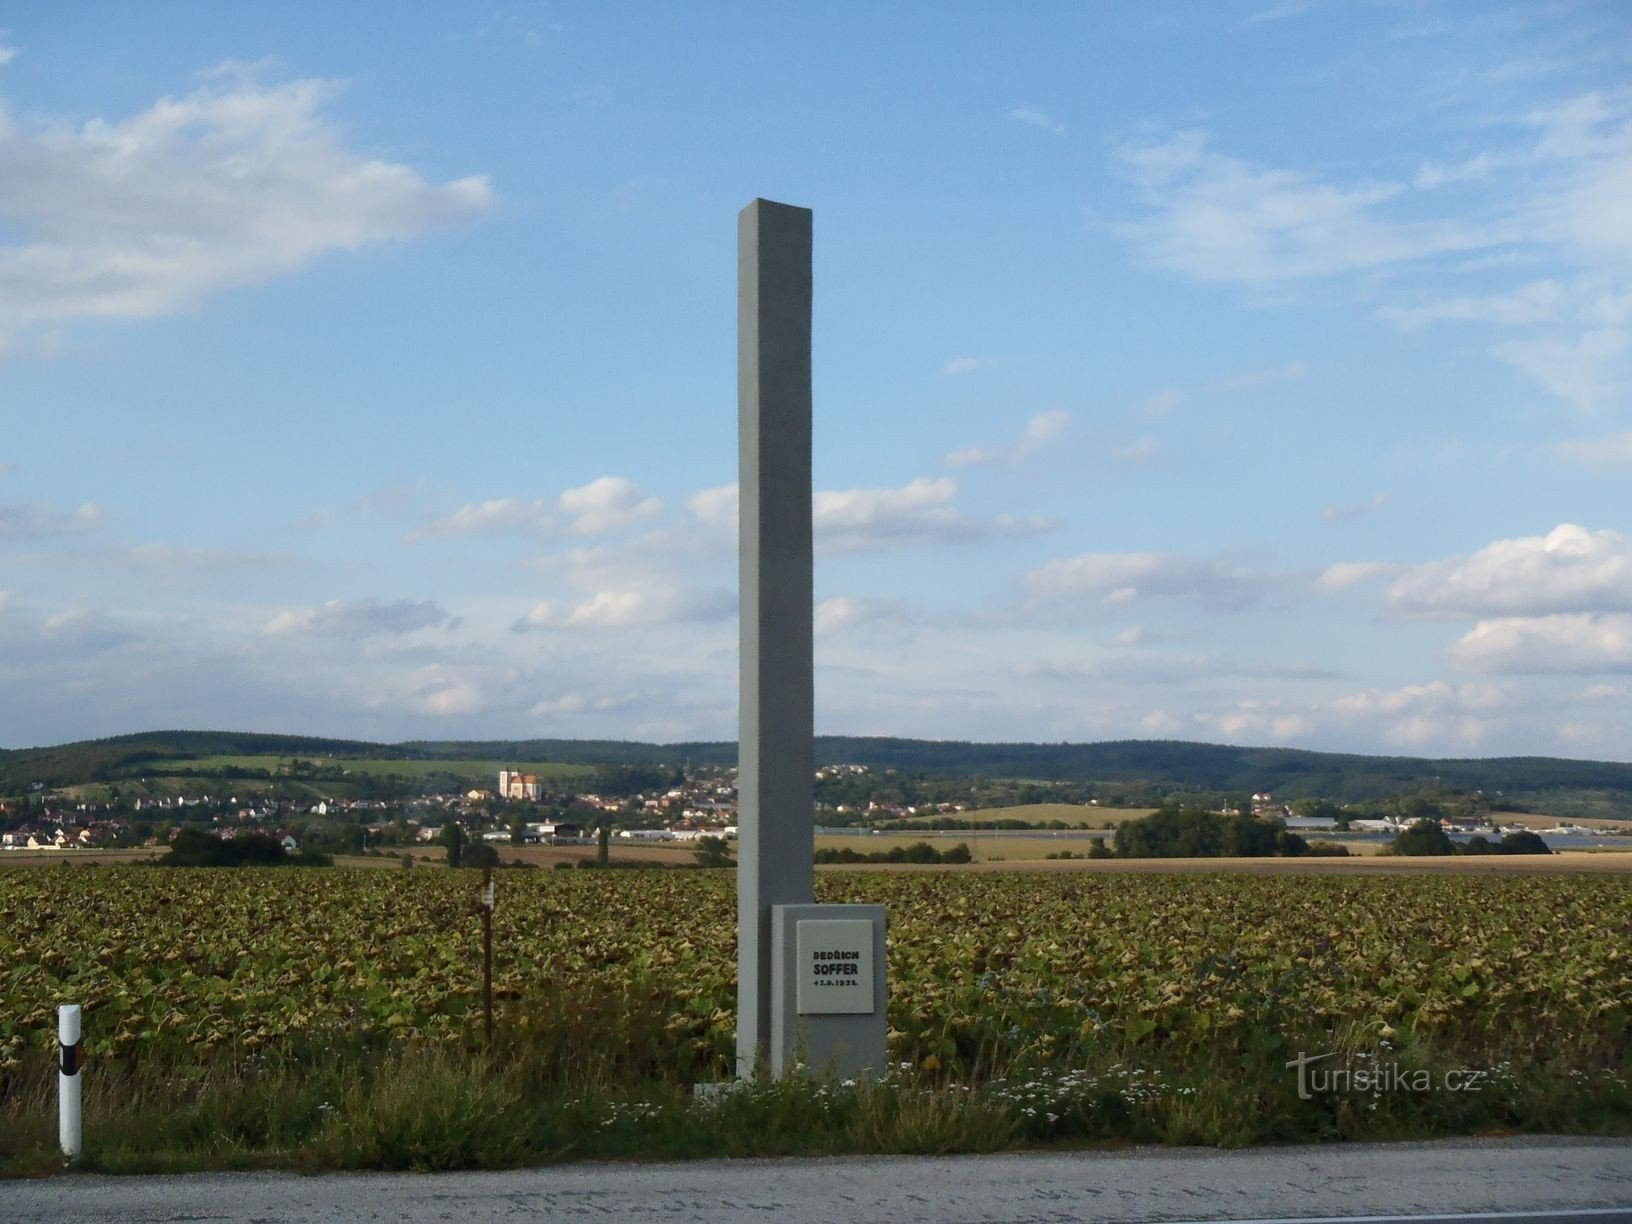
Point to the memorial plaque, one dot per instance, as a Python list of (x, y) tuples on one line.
[(835, 959)]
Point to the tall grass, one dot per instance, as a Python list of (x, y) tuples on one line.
[(601, 1076)]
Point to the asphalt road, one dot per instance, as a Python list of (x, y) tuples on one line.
[(1580, 1181)]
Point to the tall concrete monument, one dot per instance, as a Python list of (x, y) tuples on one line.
[(801, 994)]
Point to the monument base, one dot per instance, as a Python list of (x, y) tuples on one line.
[(828, 995)]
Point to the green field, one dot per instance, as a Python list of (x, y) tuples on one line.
[(479, 772), (332, 1018), (1078, 815)]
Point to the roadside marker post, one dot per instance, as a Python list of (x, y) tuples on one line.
[(68, 1082), (487, 952)]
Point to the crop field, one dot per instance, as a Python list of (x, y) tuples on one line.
[(1000, 969)]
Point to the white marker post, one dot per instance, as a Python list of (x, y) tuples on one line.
[(68, 1115)]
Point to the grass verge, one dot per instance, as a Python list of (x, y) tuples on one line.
[(429, 1107)]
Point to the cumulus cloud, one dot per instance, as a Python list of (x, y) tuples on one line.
[(499, 514), (1570, 569), (856, 518), (919, 512), (971, 456), (1573, 642), (1344, 574), (715, 507), (606, 504), (362, 618), (862, 520), (1418, 716), (848, 614), (647, 604), (1121, 577), (602, 505), (233, 184)]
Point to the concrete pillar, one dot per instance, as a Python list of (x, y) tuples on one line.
[(776, 751)]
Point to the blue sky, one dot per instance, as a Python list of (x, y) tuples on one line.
[(1255, 373)]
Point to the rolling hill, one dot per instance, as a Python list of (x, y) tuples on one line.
[(1581, 788)]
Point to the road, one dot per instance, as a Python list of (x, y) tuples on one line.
[(1523, 1179)]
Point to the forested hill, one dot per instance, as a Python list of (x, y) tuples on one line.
[(1160, 765)]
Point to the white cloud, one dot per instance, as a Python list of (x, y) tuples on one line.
[(1570, 569), (5, 601), (1032, 117), (1421, 716), (1573, 642), (499, 514), (601, 505), (963, 365), (23, 522), (1538, 302), (1342, 575), (849, 614), (7, 53), (917, 513), (1041, 430), (441, 699), (1161, 723), (1122, 577), (922, 508), (649, 604), (607, 503), (357, 619), (84, 630), (1432, 174), (234, 184), (1219, 218), (715, 507), (1611, 452), (971, 456), (1583, 370), (1137, 450)]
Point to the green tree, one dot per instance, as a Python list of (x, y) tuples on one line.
[(712, 852), (453, 837), (1523, 842), (479, 854), (1424, 837)]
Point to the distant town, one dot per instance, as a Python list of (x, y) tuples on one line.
[(652, 804)]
